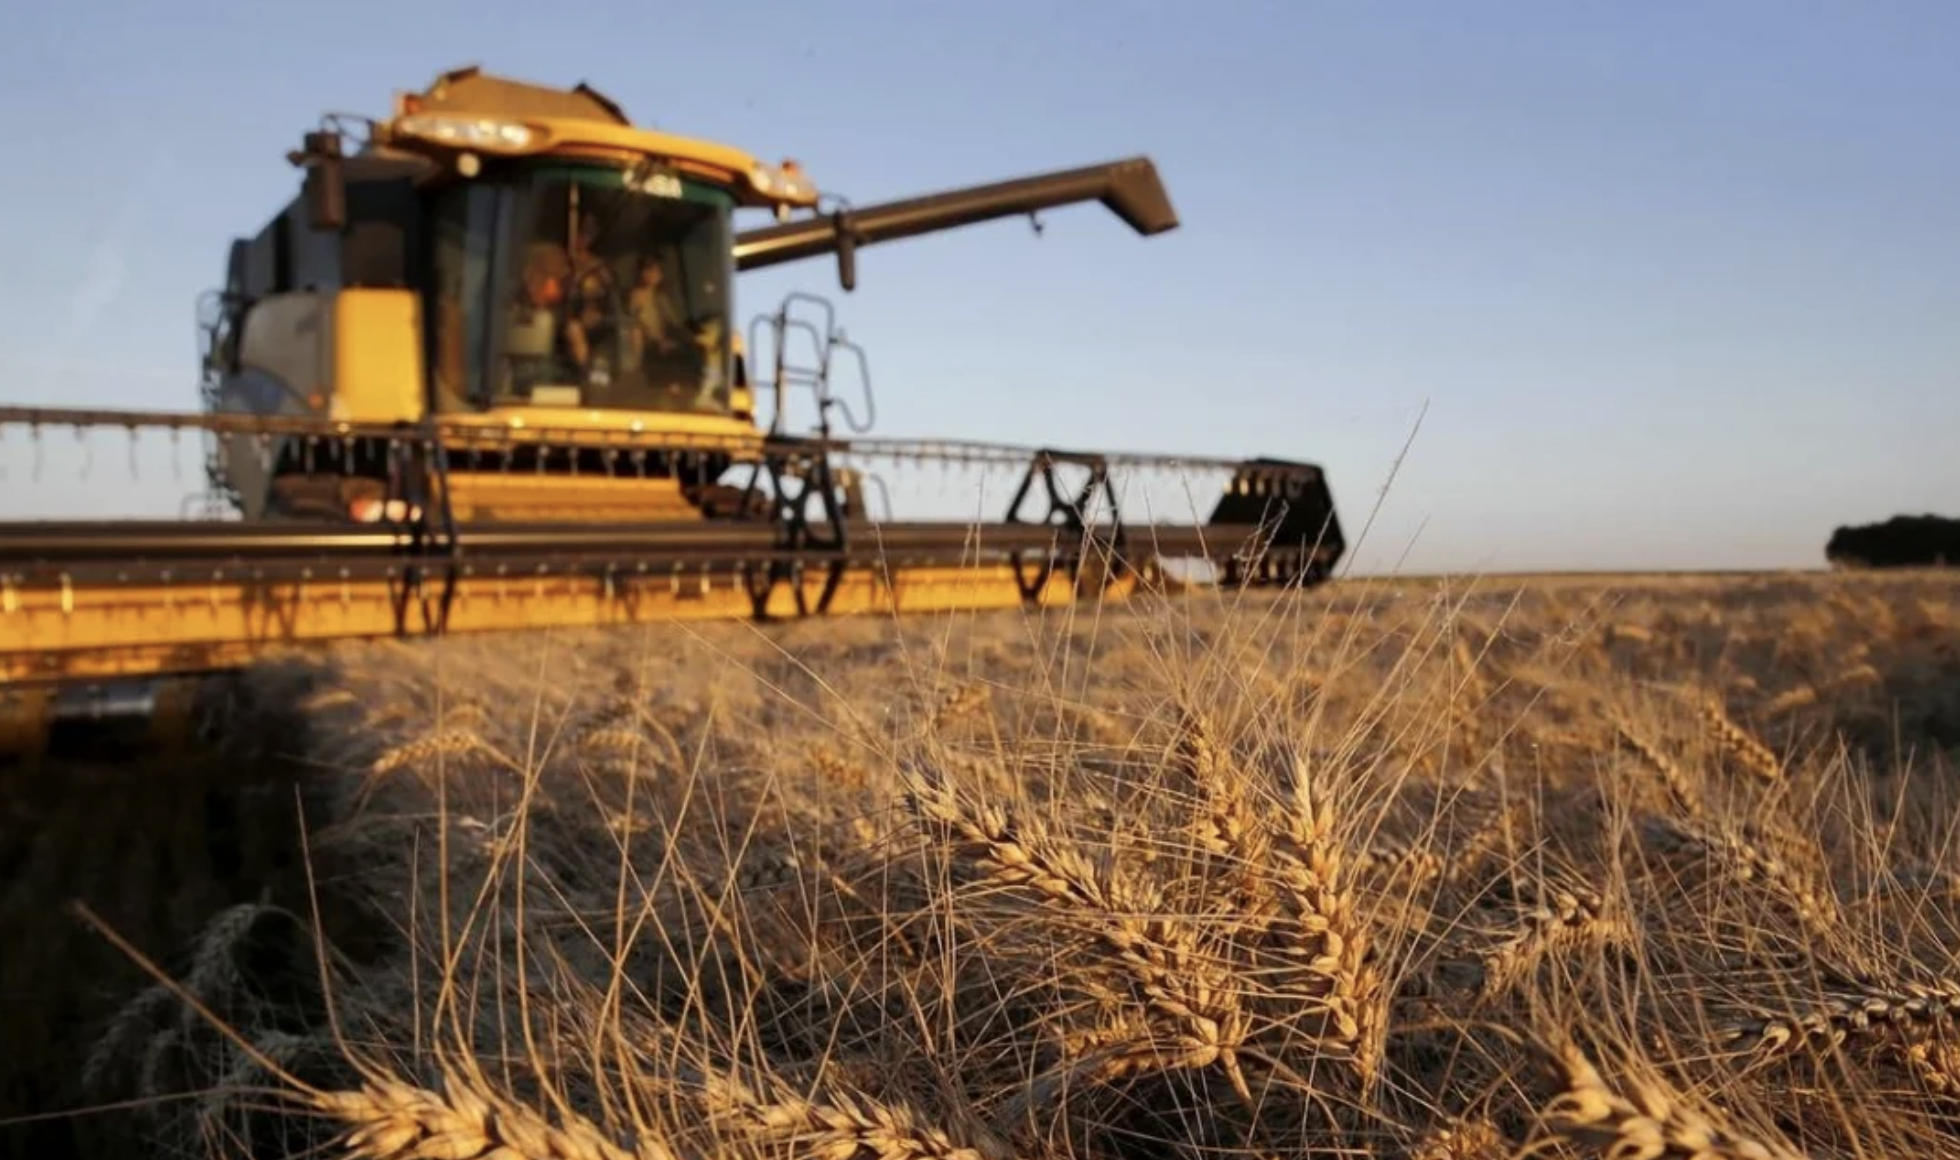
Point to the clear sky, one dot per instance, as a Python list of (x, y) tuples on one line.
[(1678, 283)]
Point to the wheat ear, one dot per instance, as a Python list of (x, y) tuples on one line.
[(1641, 1122), (386, 1119), (1158, 955)]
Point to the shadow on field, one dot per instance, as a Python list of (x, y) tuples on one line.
[(155, 842)]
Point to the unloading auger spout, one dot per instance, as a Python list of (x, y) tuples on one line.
[(1130, 189)]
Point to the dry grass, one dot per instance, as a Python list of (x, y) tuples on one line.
[(1655, 870)]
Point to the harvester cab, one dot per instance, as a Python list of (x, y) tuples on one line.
[(494, 255)]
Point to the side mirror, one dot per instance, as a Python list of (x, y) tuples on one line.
[(847, 273), (325, 191)]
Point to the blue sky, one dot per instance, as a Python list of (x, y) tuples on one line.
[(1677, 283)]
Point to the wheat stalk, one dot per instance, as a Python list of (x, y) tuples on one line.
[(1226, 828), (1642, 1122), (1476, 1139), (962, 702), (840, 1126), (1555, 920), (1160, 956), (386, 1119), (1911, 1015), (444, 743), (1814, 906), (1743, 745), (1680, 787), (1325, 938)]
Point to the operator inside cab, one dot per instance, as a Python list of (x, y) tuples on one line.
[(583, 325), (659, 323), (615, 300)]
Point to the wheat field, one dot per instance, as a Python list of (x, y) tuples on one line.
[(1608, 867)]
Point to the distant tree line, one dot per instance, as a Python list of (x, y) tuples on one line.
[(1900, 542)]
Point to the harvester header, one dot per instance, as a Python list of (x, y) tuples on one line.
[(484, 372)]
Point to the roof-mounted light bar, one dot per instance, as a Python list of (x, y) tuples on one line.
[(784, 186), (481, 134)]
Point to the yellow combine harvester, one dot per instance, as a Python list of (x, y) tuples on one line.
[(483, 373)]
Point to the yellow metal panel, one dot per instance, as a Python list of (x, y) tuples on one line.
[(506, 418), (95, 633), (377, 356), (525, 495)]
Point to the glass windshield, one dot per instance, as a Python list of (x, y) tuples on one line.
[(585, 288)]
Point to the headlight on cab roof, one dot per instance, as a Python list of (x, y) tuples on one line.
[(785, 182), (486, 134)]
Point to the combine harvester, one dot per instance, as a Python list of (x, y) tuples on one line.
[(483, 374)]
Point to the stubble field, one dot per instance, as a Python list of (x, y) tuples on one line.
[(1639, 867)]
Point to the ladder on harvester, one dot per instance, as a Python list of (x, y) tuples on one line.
[(788, 375)]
